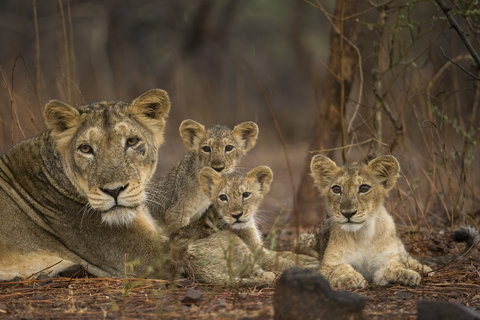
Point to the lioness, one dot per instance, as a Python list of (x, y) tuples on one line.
[(177, 199), (362, 245), (76, 193)]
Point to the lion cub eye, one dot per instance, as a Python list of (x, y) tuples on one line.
[(132, 142), (228, 148), (246, 194), (206, 149), (85, 148), (364, 188), (336, 189), (223, 197)]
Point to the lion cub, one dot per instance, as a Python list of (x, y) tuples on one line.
[(235, 199), (363, 245), (178, 199)]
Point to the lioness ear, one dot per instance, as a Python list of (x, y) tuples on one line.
[(60, 116), (263, 175), (151, 109), (209, 179), (191, 132), (323, 170), (246, 134), (386, 169)]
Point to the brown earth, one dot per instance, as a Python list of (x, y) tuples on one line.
[(99, 298)]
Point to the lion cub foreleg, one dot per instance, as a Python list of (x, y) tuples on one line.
[(273, 260), (396, 272), (342, 276)]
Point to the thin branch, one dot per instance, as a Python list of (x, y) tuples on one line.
[(458, 65), (348, 146), (462, 34)]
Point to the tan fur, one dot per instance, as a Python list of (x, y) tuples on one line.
[(177, 199), (235, 199), (363, 245), (76, 193)]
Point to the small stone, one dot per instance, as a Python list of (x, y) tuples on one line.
[(304, 294), (440, 310), (192, 296)]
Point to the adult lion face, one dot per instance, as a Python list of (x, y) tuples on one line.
[(109, 150)]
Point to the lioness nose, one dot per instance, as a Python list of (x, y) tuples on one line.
[(114, 192), (349, 214), (218, 169), (238, 215)]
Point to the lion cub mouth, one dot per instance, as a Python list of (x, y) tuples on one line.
[(351, 226), (119, 215)]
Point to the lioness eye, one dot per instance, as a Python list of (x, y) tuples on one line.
[(336, 189), (132, 142), (223, 197), (245, 195), (228, 148), (206, 149), (364, 188), (85, 148)]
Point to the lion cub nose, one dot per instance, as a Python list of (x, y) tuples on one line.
[(237, 216), (114, 192), (218, 169), (349, 214)]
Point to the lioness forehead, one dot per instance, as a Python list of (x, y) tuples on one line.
[(111, 105), (107, 116)]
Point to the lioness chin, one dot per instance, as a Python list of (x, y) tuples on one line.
[(76, 193)]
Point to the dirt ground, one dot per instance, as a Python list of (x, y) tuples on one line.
[(98, 298)]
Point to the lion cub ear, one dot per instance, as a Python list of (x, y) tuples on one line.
[(246, 134), (323, 170), (209, 180), (151, 109), (386, 169), (263, 175), (191, 132)]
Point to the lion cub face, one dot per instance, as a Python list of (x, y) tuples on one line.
[(236, 197), (219, 147), (110, 150), (355, 191)]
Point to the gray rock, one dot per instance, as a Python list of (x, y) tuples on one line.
[(192, 296), (304, 294), (439, 310)]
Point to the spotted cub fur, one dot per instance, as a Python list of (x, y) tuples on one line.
[(178, 199)]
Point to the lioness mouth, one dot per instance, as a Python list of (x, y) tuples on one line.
[(119, 215)]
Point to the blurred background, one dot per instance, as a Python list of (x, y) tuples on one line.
[(349, 79)]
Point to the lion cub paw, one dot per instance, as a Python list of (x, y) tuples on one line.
[(403, 276), (352, 280)]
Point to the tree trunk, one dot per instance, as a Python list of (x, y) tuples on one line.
[(343, 63)]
